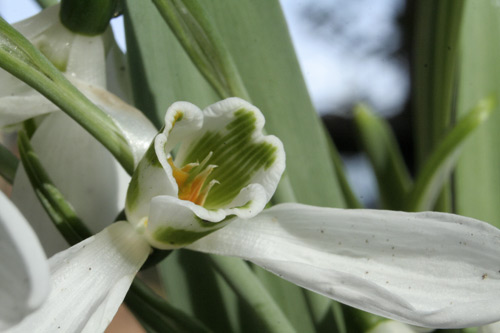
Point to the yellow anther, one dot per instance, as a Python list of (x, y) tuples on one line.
[(191, 180)]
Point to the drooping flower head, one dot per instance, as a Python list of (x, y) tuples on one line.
[(204, 168)]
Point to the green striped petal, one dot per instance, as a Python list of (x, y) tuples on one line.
[(224, 167)]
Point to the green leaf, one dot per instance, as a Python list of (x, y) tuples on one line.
[(203, 44), (19, 57), (436, 48), (289, 298), (382, 149), (241, 278), (477, 178), (8, 164), (192, 285), (441, 162)]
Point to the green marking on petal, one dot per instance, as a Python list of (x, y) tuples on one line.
[(237, 157), (178, 237), (151, 157), (207, 224), (133, 192)]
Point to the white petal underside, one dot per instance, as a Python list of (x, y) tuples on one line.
[(24, 273), (426, 269), (89, 282), (82, 169)]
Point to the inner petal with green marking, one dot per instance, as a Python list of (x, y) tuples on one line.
[(234, 155)]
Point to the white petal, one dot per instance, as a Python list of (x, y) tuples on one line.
[(139, 132), (426, 269), (20, 107), (24, 273), (175, 223), (84, 171), (89, 282)]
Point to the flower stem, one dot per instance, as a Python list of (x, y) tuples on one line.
[(87, 17)]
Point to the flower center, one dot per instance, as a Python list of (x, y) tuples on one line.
[(192, 180)]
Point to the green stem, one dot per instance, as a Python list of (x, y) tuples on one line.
[(244, 283), (8, 164), (20, 58), (87, 17)]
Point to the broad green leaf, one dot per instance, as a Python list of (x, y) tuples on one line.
[(19, 57), (8, 164), (435, 51), (477, 178), (385, 156), (289, 298), (240, 277), (203, 44), (439, 165), (192, 285)]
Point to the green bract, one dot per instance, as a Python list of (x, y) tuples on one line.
[(224, 167)]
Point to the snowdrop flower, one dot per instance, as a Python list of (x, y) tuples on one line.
[(59, 141), (426, 269), (224, 168)]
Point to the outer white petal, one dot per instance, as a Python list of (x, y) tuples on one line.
[(24, 273), (138, 130), (89, 282), (426, 269), (85, 172)]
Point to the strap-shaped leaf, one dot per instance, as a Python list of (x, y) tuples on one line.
[(437, 169), (243, 281), (477, 178), (436, 48), (385, 156), (19, 57), (198, 36)]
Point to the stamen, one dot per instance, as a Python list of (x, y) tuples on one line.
[(191, 180)]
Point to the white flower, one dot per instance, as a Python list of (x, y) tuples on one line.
[(224, 168)]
